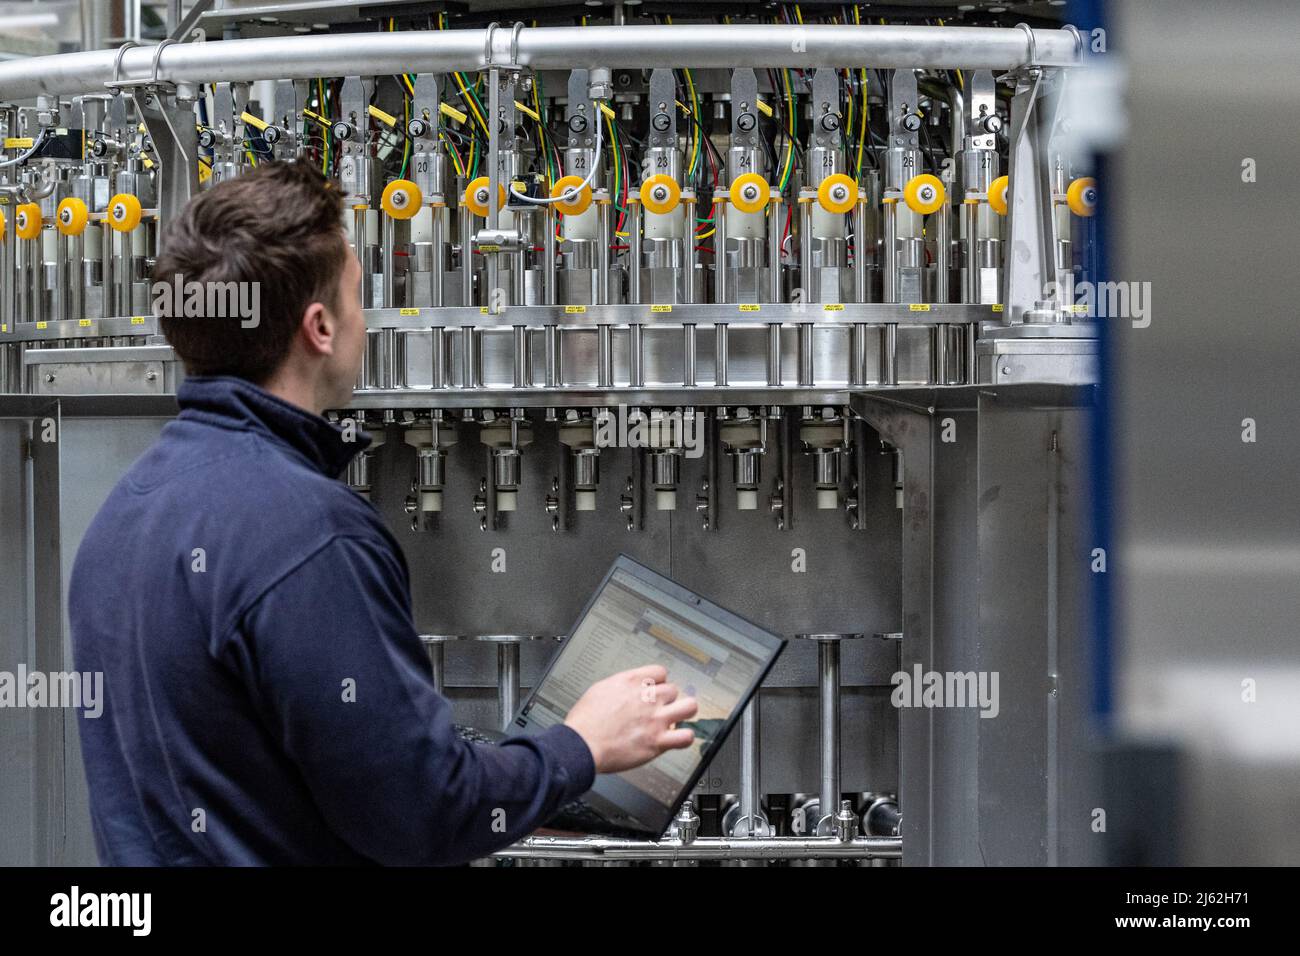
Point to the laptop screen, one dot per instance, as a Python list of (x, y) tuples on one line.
[(631, 623)]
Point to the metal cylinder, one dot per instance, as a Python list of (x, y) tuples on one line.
[(720, 354), (688, 354), (775, 227), (828, 713), (604, 355), (507, 682), (805, 354), (632, 47), (505, 467), (889, 354), (665, 467), (586, 468), (438, 357), (635, 379), (774, 354)]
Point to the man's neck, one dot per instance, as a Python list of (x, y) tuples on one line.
[(295, 390)]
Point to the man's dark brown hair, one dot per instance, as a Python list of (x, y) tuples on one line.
[(279, 225)]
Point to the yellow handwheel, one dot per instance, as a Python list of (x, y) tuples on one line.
[(71, 217), (476, 195), (660, 194), (401, 199), (1081, 197), (27, 221), (750, 192), (837, 193), (124, 212), (924, 194), (998, 195), (577, 204)]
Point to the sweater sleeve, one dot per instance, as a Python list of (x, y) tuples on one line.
[(332, 659)]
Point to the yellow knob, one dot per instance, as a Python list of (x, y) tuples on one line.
[(71, 217), (401, 199), (924, 194), (124, 212), (1081, 197), (477, 192), (837, 193), (27, 221), (660, 194), (749, 192), (576, 204), (998, 195)]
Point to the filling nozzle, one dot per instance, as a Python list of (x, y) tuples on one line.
[(578, 432), (673, 433), (825, 436), (506, 435), (431, 438), (744, 436), (360, 468)]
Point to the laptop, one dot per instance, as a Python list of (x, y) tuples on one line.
[(638, 617)]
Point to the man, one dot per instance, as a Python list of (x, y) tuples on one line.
[(267, 701)]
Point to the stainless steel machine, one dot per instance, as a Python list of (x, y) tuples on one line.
[(780, 301)]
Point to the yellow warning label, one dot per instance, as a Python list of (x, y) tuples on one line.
[(19, 142), (575, 309), (833, 307), (661, 308), (919, 306), (42, 325), (408, 311), (137, 320), (84, 323), (997, 307), (750, 307)]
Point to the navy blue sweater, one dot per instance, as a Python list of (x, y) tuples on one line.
[(266, 697)]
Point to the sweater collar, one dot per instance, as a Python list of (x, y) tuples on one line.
[(231, 402)]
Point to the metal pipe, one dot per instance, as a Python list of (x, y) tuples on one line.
[(605, 355), (439, 264), (634, 373), (640, 46), (688, 354), (523, 374), (634, 255), (774, 230), (438, 357), (551, 335), (387, 238), (719, 247), (805, 355), (858, 353), (548, 258), (507, 681), (828, 712), (860, 249), (750, 768), (704, 848), (494, 181), (602, 253), (774, 354), (720, 354)]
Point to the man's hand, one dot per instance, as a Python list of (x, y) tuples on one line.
[(627, 719)]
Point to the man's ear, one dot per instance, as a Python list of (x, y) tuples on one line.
[(317, 330)]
